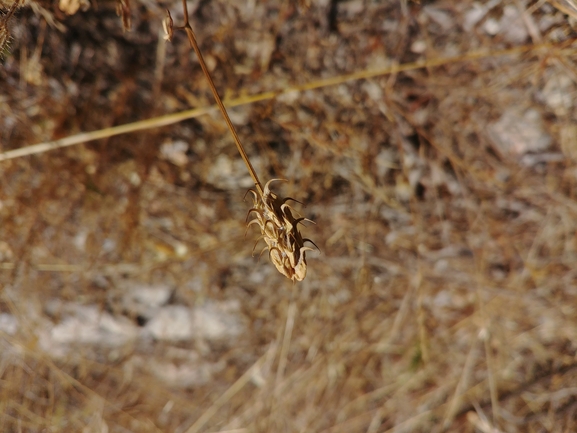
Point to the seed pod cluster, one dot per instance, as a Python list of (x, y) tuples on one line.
[(279, 229)]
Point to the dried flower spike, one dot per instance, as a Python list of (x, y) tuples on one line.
[(280, 231), (277, 224)]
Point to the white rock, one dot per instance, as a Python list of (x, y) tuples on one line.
[(473, 16), (512, 25), (8, 323), (172, 323), (419, 46), (439, 16), (217, 321), (559, 93), (190, 373), (227, 173), (517, 132), (175, 152), (87, 325), (491, 26), (149, 296)]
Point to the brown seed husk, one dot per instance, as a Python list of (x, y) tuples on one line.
[(280, 232)]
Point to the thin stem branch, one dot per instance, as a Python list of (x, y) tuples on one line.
[(555, 49), (240, 147)]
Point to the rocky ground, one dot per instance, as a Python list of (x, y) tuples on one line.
[(442, 179)]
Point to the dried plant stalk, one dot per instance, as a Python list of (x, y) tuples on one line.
[(169, 119), (568, 7), (274, 217)]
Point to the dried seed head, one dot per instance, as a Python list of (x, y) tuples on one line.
[(277, 224), (279, 230)]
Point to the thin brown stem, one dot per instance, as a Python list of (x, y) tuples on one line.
[(240, 147), (13, 8)]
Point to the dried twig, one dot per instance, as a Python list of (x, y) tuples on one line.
[(170, 119)]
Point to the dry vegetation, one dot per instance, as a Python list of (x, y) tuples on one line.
[(445, 296)]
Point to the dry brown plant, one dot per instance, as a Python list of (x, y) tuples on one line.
[(278, 226), (566, 6), (438, 141)]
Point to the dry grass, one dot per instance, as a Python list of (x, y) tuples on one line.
[(444, 192)]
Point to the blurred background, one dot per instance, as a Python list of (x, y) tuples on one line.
[(444, 294)]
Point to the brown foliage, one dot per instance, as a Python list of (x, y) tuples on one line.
[(435, 146)]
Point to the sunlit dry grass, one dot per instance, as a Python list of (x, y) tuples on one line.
[(437, 157)]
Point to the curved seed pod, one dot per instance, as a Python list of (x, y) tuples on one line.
[(251, 210), (280, 232)]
